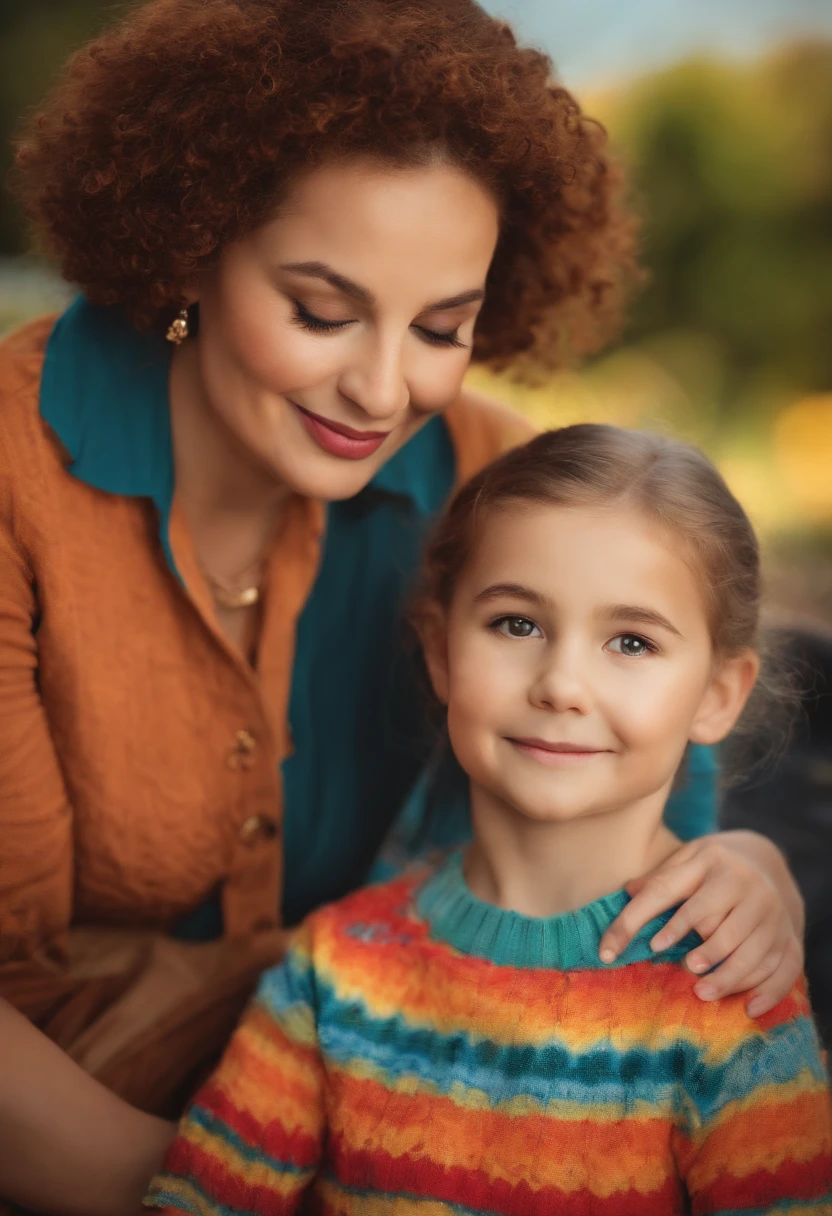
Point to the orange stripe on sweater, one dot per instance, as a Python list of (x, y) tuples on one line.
[(544, 1152), (775, 1126), (264, 1072), (430, 985)]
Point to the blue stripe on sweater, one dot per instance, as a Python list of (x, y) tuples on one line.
[(602, 1074)]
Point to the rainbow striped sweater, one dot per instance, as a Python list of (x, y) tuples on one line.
[(422, 1052)]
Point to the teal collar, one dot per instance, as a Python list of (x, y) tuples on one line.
[(568, 941), (104, 392)]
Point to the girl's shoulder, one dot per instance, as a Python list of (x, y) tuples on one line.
[(482, 429)]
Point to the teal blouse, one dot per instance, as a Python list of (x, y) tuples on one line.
[(368, 783)]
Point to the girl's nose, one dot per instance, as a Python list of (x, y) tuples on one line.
[(560, 684), (375, 381)]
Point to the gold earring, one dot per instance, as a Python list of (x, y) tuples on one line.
[(178, 328)]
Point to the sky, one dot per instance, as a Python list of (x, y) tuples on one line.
[(595, 43)]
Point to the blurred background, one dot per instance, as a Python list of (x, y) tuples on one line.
[(722, 110)]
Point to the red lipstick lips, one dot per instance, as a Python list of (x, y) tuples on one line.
[(338, 439)]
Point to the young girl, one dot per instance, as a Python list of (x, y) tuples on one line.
[(451, 1041)]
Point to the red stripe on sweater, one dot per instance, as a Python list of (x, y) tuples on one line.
[(793, 1180), (419, 1176), (293, 1147), (187, 1160)]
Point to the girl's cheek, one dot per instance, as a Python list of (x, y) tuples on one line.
[(484, 683), (656, 721)]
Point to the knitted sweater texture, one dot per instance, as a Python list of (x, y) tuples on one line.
[(422, 1052)]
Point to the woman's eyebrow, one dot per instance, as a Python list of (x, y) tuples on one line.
[(464, 297), (348, 287), (320, 270)]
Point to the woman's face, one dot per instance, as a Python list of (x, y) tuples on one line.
[(332, 333)]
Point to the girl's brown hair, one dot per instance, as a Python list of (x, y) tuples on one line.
[(177, 132), (673, 483), (591, 465)]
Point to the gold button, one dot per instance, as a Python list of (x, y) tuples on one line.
[(240, 755), (257, 827)]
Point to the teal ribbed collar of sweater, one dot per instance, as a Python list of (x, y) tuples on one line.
[(569, 940)]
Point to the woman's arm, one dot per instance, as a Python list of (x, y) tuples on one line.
[(736, 891), (35, 816), (67, 1145)]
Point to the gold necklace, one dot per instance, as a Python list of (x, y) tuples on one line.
[(228, 594)]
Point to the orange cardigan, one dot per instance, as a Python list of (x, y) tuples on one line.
[(168, 785)]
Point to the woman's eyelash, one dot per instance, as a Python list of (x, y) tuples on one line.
[(308, 320), (439, 339), (317, 325)]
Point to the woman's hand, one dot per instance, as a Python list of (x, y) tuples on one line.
[(736, 891)]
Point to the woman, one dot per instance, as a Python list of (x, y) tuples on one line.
[(208, 718)]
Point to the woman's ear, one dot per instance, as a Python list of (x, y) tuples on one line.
[(725, 697), (433, 634)]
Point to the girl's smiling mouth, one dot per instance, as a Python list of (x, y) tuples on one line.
[(546, 752)]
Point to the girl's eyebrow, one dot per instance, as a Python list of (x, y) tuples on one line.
[(515, 591), (348, 287), (640, 616)]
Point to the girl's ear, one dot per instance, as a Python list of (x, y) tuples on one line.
[(725, 697), (433, 634)]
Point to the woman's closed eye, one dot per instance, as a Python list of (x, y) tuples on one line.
[(320, 325), (516, 627), (632, 645), (439, 338)]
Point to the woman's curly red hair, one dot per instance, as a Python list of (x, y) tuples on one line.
[(177, 131)]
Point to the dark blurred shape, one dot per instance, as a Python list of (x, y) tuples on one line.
[(36, 38), (790, 801)]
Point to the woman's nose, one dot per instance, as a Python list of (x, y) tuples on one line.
[(561, 683), (376, 380)]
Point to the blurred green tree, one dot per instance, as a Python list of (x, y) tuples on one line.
[(732, 164)]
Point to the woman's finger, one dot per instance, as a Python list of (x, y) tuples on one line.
[(703, 913), (779, 984), (758, 950), (731, 930), (664, 888)]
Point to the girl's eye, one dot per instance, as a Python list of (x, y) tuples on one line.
[(435, 338), (631, 645), (516, 627), (307, 320)]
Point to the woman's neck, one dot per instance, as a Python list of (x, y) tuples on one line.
[(216, 479), (545, 868)]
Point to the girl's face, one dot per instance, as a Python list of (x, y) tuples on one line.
[(332, 333), (576, 662)]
